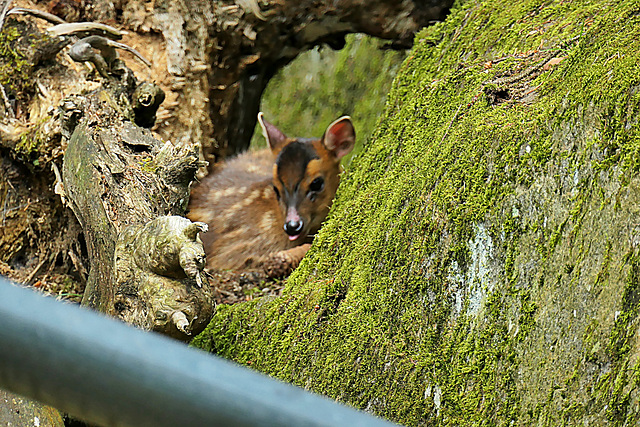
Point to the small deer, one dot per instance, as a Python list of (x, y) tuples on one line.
[(270, 203)]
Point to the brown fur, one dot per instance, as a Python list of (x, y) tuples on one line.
[(239, 203)]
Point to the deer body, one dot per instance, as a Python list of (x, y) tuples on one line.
[(261, 203)]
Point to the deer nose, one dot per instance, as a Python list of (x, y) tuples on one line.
[(293, 227)]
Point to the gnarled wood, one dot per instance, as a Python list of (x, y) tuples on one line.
[(118, 180)]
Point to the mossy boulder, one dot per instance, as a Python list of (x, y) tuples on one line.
[(481, 263)]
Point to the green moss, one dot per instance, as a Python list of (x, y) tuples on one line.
[(15, 69), (31, 146), (148, 165), (27, 143), (474, 260), (614, 389), (20, 44)]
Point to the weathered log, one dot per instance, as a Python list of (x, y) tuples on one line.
[(121, 182), (159, 281), (117, 178)]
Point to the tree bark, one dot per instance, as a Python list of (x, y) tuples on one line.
[(480, 263), (123, 185)]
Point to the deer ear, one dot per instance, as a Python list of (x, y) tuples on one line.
[(272, 134), (340, 137)]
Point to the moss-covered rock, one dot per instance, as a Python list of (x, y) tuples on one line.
[(481, 264)]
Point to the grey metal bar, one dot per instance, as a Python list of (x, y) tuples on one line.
[(109, 373)]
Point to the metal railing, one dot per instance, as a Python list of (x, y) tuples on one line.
[(109, 373)]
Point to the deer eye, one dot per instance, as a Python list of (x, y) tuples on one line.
[(277, 192), (316, 185)]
